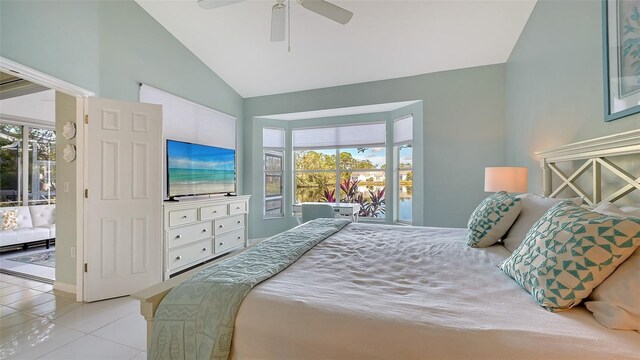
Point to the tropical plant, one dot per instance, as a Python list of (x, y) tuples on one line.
[(349, 187), (329, 195)]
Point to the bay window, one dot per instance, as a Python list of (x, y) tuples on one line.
[(342, 164), (273, 145), (402, 139)]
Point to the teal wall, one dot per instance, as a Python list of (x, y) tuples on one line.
[(108, 47), (554, 83), (453, 161)]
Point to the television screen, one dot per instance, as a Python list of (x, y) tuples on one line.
[(194, 169)]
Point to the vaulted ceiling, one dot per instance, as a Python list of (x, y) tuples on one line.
[(384, 40)]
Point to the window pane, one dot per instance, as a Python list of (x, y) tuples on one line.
[(273, 207), (405, 194), (273, 184), (273, 162), (315, 187), (10, 165), (42, 163), (363, 158), (366, 188), (406, 157), (315, 159)]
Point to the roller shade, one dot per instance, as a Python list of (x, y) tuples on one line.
[(187, 121), (273, 138), (369, 134), (403, 130)]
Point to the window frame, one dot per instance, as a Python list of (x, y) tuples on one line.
[(26, 168), (396, 174), (338, 171)]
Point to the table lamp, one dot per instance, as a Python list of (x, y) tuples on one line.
[(509, 179)]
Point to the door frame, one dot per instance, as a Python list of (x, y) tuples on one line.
[(40, 78)]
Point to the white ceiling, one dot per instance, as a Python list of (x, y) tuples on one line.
[(352, 110), (384, 40)]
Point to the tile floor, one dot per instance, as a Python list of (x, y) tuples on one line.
[(38, 323)]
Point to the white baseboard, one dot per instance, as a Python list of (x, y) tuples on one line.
[(69, 288)]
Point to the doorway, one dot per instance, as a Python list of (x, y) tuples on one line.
[(67, 178), (27, 179)]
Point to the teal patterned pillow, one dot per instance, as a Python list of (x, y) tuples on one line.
[(569, 252), (492, 219)]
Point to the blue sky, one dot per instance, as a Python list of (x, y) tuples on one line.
[(194, 156)]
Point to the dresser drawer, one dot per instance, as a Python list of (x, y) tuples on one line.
[(187, 254), (229, 241), (228, 224), (181, 217), (189, 233), (237, 207), (213, 212)]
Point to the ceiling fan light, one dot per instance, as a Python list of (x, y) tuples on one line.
[(278, 22)]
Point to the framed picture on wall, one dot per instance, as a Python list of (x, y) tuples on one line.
[(621, 47)]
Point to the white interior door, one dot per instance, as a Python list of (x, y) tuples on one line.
[(123, 198)]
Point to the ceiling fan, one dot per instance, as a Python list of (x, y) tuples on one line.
[(278, 13)]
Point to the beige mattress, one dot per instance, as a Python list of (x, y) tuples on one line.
[(388, 292)]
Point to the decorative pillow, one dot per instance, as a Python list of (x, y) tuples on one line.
[(616, 302), (569, 252), (492, 218), (10, 220), (533, 207)]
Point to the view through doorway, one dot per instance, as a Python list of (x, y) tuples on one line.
[(27, 179)]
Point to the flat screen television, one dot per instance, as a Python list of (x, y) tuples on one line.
[(194, 169)]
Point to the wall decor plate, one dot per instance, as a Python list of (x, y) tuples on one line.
[(621, 50), (69, 153), (69, 130)]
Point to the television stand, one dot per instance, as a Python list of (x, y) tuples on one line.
[(198, 230)]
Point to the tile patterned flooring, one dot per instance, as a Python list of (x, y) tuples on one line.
[(38, 323)]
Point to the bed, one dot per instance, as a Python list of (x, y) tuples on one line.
[(376, 291)]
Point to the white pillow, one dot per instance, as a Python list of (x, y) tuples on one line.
[(533, 208), (616, 302), (492, 218)]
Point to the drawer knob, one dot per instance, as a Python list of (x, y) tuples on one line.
[(238, 221), (204, 230), (184, 216), (178, 257), (221, 243), (239, 237), (237, 207), (215, 211), (204, 249), (178, 236), (221, 226)]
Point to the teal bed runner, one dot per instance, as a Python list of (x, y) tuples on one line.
[(196, 318)]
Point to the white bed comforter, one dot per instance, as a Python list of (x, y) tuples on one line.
[(375, 291)]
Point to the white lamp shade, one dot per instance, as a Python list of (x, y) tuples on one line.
[(509, 179)]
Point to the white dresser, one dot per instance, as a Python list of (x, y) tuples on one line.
[(198, 230)]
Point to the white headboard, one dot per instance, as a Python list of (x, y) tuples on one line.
[(596, 154)]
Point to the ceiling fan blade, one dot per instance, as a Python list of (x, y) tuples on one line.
[(328, 10), (278, 20), (211, 4)]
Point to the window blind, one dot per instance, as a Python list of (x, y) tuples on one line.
[(369, 134), (273, 138), (403, 130), (187, 121)]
